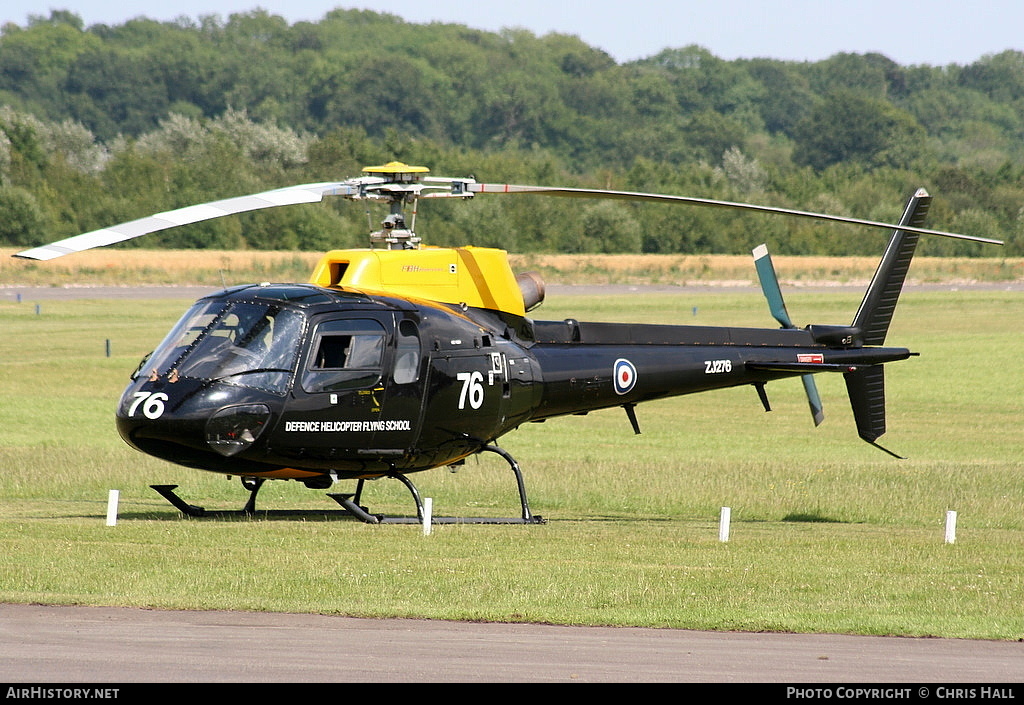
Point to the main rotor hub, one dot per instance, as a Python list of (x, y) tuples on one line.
[(399, 187)]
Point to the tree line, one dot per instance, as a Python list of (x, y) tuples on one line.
[(103, 124)]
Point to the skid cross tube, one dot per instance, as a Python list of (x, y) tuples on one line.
[(350, 501)]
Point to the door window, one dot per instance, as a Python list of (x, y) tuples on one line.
[(346, 354)]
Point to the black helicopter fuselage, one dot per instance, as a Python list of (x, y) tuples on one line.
[(312, 383)]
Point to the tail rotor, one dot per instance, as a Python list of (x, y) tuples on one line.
[(773, 293)]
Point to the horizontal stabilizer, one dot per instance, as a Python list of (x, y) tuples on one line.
[(800, 367)]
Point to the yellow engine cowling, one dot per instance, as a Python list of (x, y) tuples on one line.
[(476, 276)]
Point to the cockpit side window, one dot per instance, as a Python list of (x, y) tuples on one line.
[(248, 344), (346, 354)]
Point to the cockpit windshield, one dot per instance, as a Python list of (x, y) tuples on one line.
[(240, 343)]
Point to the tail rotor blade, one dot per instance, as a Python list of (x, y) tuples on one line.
[(814, 399), (770, 286)]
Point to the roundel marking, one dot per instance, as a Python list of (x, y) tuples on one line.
[(624, 375)]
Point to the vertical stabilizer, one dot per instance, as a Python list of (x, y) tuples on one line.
[(879, 302), (866, 386)]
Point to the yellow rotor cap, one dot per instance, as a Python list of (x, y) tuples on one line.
[(395, 168)]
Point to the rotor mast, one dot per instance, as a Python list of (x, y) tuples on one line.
[(403, 186)]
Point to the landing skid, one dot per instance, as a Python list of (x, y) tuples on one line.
[(252, 484), (351, 502)]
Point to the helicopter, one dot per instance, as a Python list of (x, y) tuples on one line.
[(401, 357)]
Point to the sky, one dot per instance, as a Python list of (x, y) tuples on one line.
[(935, 32)]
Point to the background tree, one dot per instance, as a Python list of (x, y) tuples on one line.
[(105, 123), (847, 126)]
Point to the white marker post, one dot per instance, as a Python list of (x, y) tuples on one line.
[(950, 527), (112, 498), (723, 524), (428, 509)]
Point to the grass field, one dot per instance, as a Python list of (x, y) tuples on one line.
[(828, 534)]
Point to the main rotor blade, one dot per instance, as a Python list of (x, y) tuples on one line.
[(657, 197), (291, 195)]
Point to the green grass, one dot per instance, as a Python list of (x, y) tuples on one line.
[(828, 534)]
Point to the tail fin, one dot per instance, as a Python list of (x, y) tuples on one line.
[(866, 386), (879, 302)]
